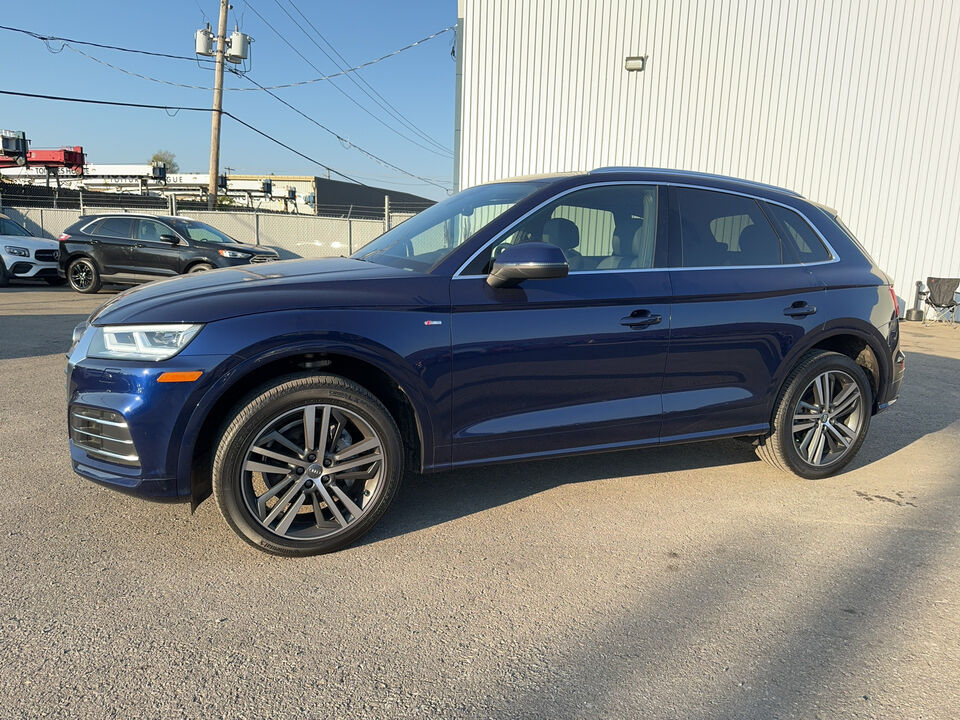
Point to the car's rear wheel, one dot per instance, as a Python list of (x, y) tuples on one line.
[(821, 417), (83, 276), (200, 267), (307, 466)]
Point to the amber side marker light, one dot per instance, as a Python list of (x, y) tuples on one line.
[(189, 376)]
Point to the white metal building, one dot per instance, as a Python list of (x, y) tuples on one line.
[(853, 103)]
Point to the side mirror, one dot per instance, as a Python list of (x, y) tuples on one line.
[(527, 261), (172, 239)]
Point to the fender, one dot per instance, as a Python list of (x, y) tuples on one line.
[(272, 349), (836, 328)]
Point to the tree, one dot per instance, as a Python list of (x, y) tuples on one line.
[(168, 158)]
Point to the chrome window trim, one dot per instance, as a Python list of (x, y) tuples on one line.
[(503, 233)]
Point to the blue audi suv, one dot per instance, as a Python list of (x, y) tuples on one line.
[(529, 318)]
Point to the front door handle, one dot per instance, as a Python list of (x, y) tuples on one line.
[(799, 309), (640, 319)]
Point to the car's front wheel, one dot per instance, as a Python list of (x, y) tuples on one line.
[(821, 417), (83, 276), (307, 465)]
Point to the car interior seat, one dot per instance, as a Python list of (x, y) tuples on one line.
[(758, 247), (564, 234)]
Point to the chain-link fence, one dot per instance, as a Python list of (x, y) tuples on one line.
[(337, 230)]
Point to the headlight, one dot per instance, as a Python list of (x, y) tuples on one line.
[(233, 254), (18, 251), (141, 342)]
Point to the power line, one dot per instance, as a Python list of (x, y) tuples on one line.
[(340, 137), (250, 89), (379, 99), (337, 87), (178, 108), (55, 38)]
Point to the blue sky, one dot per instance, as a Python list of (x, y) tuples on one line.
[(418, 82)]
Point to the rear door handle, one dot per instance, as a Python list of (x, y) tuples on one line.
[(640, 319), (799, 309), (140, 245)]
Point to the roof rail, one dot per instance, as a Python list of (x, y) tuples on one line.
[(694, 174)]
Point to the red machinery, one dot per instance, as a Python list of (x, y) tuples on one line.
[(71, 158)]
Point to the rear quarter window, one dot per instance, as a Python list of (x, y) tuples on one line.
[(798, 237)]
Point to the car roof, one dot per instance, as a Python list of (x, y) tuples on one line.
[(97, 216), (681, 177)]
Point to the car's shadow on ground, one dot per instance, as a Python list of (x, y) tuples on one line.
[(425, 501)]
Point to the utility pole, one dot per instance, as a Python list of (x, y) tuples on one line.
[(217, 106)]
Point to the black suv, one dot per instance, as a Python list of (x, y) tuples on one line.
[(131, 249)]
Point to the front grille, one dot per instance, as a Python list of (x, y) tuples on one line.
[(104, 434), (263, 258), (46, 255)]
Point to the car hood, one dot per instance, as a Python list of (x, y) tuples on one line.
[(252, 249), (31, 243), (249, 289)]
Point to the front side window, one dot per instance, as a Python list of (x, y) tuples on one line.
[(151, 230), (724, 230), (114, 227), (427, 238), (610, 227), (9, 227)]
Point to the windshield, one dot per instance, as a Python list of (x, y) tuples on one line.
[(200, 231), (426, 239), (9, 227)]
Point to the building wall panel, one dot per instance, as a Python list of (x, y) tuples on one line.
[(853, 103)]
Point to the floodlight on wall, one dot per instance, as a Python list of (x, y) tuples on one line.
[(636, 63)]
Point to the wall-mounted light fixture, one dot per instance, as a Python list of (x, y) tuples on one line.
[(636, 63)]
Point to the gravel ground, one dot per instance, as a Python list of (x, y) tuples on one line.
[(684, 582)]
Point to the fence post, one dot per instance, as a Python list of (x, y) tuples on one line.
[(350, 236), (81, 201), (43, 228), (256, 226), (386, 213)]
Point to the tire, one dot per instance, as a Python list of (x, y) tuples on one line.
[(801, 418), (308, 507), (199, 267), (4, 275), (56, 281), (83, 276)]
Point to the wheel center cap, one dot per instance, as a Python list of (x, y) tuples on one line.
[(824, 416), (314, 471)]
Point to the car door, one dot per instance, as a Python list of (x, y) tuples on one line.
[(153, 256), (571, 363), (111, 238), (741, 301)]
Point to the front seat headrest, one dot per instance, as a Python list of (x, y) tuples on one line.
[(561, 232), (758, 247)]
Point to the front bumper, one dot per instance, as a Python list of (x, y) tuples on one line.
[(155, 416), (25, 269)]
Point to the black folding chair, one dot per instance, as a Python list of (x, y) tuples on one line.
[(941, 297)]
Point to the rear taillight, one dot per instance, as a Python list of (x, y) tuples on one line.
[(63, 237), (896, 303)]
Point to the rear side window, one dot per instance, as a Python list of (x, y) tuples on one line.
[(798, 237), (113, 227), (723, 230)]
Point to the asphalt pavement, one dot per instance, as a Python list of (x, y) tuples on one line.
[(682, 582)]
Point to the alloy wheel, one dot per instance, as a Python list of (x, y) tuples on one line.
[(828, 418), (312, 472), (81, 275)]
